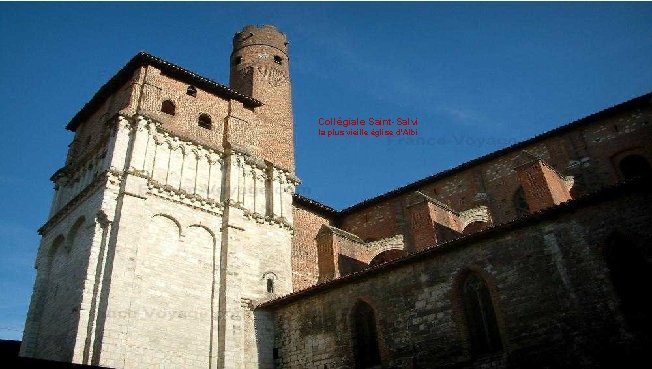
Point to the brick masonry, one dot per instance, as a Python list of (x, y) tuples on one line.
[(165, 237), (576, 161), (164, 234)]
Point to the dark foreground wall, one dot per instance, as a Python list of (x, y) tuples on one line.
[(551, 300), (9, 359)]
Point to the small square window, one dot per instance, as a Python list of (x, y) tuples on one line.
[(205, 121), (168, 107)]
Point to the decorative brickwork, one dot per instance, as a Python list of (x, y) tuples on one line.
[(260, 68), (175, 238)]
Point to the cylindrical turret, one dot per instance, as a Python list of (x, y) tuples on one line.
[(260, 46), (260, 69)]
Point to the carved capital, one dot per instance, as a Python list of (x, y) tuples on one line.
[(141, 123), (123, 124)]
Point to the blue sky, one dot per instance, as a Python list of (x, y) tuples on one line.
[(477, 76)]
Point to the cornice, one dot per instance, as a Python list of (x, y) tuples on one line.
[(182, 197), (259, 218), (102, 179)]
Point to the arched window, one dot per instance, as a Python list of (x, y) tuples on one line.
[(192, 91), (270, 280), (365, 336), (633, 166), (73, 234), (484, 337), (205, 121), (629, 272), (520, 203), (58, 243), (168, 107), (278, 59)]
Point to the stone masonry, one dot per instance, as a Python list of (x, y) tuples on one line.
[(175, 239), (164, 233), (554, 302)]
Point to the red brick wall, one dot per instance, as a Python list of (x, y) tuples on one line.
[(589, 154), (241, 127), (423, 232), (307, 223), (159, 87), (373, 223), (258, 75), (542, 186), (91, 132)]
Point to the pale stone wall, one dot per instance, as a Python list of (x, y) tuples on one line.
[(177, 244), (57, 307), (161, 302)]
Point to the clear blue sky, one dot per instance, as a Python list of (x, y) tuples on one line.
[(477, 76)]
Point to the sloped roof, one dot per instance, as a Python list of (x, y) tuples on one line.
[(635, 185), (173, 70), (313, 204), (640, 101)]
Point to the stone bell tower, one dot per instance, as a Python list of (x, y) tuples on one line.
[(171, 218), (260, 68)]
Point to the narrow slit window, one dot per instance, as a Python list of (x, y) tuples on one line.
[(480, 316), (365, 337), (520, 203), (270, 285)]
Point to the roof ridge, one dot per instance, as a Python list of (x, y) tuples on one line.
[(634, 184), (312, 202), (647, 97)]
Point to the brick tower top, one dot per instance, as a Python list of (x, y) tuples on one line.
[(263, 47), (264, 35), (260, 69)]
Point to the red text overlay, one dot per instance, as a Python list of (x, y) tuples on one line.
[(372, 127)]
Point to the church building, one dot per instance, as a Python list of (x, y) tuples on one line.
[(176, 239)]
